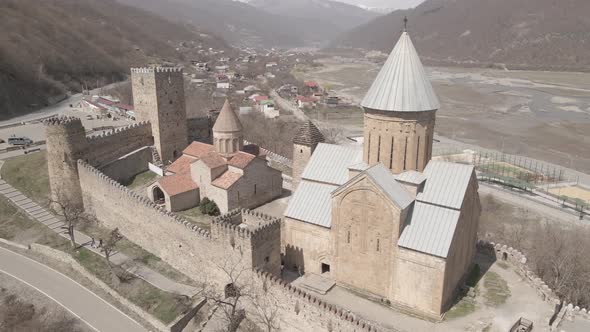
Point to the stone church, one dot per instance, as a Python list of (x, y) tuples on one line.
[(385, 220), (227, 172)]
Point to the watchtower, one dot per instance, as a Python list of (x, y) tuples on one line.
[(158, 97), (400, 111), (66, 143), (304, 143)]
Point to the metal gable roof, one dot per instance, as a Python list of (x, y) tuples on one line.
[(386, 181), (402, 84), (430, 229), (446, 184), (411, 176), (329, 163), (312, 203)]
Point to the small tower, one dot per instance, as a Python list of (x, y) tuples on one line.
[(66, 143), (304, 143), (158, 96), (400, 111), (228, 137)]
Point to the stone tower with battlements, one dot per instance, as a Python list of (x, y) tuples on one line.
[(66, 143), (400, 111), (228, 136), (158, 97), (304, 143)]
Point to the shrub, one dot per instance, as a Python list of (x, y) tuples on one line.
[(209, 207)]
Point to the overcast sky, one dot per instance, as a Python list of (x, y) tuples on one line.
[(395, 4)]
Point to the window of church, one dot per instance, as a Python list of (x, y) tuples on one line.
[(348, 236), (391, 153), (405, 154), (379, 148), (378, 245), (417, 152)]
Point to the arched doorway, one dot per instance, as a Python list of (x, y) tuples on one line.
[(159, 197)]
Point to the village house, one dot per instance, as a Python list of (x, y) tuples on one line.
[(306, 102)]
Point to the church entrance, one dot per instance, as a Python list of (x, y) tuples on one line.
[(325, 268)]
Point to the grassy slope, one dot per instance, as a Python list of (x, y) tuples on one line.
[(29, 174)]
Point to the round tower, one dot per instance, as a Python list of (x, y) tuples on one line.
[(228, 137), (66, 143), (304, 143), (400, 112)]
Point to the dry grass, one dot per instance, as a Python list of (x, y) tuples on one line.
[(574, 192), (28, 173)]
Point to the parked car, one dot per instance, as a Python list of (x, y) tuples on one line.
[(20, 141)]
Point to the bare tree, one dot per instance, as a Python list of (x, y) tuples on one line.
[(71, 214), (265, 308), (109, 245)]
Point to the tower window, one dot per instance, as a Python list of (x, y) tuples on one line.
[(379, 148), (391, 153), (405, 154), (378, 245), (348, 236), (254, 189), (418, 153)]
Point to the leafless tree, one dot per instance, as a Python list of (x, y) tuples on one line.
[(109, 245), (265, 309), (72, 216)]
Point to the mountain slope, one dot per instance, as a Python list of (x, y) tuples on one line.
[(237, 22), (327, 18), (53, 46), (535, 34)]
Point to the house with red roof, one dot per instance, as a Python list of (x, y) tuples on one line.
[(227, 172)]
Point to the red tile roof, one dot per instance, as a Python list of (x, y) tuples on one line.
[(311, 84), (125, 107), (260, 98), (241, 160), (104, 101), (213, 160), (198, 149), (226, 180), (177, 184), (182, 165), (305, 99)]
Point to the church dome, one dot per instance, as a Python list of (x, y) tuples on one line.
[(402, 84), (227, 121)]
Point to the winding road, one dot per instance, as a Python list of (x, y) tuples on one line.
[(82, 303)]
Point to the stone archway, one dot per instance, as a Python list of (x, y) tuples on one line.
[(159, 197)]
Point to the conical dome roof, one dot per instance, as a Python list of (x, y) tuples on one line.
[(308, 134), (402, 84), (227, 121)]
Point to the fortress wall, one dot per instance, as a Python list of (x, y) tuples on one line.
[(126, 167), (108, 147), (199, 253)]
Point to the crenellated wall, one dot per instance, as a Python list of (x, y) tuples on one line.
[(67, 143), (105, 148), (252, 238)]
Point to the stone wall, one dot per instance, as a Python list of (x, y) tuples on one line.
[(400, 140), (199, 253), (105, 148), (131, 164)]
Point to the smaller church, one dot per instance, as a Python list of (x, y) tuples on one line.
[(227, 172), (383, 219)]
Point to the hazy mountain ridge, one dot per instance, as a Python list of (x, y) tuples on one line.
[(268, 23), (535, 34), (54, 46)]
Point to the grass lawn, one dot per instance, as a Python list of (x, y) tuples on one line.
[(162, 305), (141, 179), (195, 216), (465, 306), (137, 253), (496, 289), (28, 173)]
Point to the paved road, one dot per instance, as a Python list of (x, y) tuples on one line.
[(84, 304)]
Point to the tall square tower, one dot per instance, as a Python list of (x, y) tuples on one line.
[(158, 97)]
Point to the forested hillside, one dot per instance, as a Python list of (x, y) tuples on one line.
[(50, 47)]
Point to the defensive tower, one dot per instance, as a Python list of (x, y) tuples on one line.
[(66, 143), (228, 137), (304, 143), (400, 111), (158, 96)]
